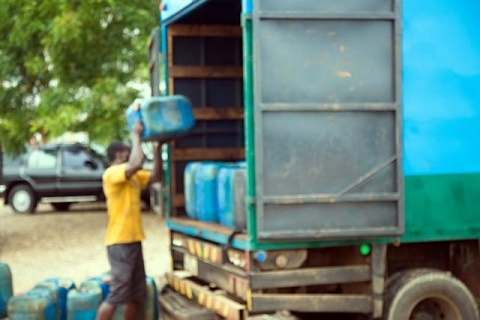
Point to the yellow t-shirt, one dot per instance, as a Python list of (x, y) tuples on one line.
[(123, 204)]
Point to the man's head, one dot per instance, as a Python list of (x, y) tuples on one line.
[(118, 152)]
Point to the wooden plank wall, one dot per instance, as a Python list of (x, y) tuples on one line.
[(202, 113)]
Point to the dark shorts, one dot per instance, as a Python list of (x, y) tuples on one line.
[(128, 273)]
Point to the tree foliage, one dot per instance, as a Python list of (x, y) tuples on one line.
[(70, 65)]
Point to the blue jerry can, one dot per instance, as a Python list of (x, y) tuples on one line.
[(82, 304), (162, 117), (6, 288), (36, 304)]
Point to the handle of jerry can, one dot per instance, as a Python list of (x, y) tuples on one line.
[(138, 111), (137, 115)]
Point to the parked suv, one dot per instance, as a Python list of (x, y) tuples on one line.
[(57, 174)]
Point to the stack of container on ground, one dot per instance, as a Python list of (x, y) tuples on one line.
[(46, 300), (6, 289), (60, 299)]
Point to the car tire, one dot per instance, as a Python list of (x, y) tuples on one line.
[(428, 294), (61, 206), (22, 199)]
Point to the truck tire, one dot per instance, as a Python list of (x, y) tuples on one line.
[(428, 294), (22, 199)]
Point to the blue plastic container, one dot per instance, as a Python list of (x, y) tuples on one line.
[(53, 289), (241, 164), (63, 286), (225, 196), (239, 196), (83, 304), (103, 281), (6, 288), (36, 304), (51, 309), (231, 195), (206, 189), (149, 309), (189, 188), (162, 117)]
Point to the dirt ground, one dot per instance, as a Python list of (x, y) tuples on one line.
[(70, 244)]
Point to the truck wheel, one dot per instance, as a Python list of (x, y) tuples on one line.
[(428, 294), (22, 199)]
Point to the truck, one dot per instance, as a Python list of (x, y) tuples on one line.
[(357, 121)]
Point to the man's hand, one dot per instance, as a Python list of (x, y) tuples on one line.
[(157, 173), (159, 143), (137, 128), (135, 161)]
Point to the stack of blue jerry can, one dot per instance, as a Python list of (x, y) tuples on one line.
[(36, 304), (189, 187), (215, 192), (53, 289), (225, 195), (62, 287), (206, 189), (149, 309), (103, 281), (6, 288), (239, 198), (231, 196), (82, 304)]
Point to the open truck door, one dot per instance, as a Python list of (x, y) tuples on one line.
[(327, 107)]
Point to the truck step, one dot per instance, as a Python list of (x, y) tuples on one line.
[(282, 315), (218, 301), (176, 307)]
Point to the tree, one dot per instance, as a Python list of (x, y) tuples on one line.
[(70, 65)]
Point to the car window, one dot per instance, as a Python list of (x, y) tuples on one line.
[(13, 161), (80, 159), (42, 159)]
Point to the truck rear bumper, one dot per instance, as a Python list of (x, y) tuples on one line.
[(175, 306), (184, 299), (205, 297), (262, 286)]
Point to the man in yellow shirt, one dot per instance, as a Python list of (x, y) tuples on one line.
[(122, 184)]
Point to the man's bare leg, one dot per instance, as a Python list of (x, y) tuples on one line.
[(105, 311), (131, 311)]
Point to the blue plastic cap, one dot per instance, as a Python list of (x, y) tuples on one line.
[(261, 256)]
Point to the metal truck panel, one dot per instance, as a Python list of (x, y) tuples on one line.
[(440, 77), (327, 119), (441, 54), (441, 70), (442, 206), (175, 9)]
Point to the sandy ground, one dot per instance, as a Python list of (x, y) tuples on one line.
[(70, 244)]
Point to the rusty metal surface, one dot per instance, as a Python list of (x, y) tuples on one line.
[(327, 119), (465, 264), (311, 303)]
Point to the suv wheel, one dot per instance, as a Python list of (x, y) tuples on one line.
[(22, 199)]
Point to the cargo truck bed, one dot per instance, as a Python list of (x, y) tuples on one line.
[(209, 231)]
